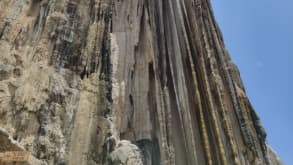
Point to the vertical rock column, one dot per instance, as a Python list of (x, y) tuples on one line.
[(178, 96), (130, 82)]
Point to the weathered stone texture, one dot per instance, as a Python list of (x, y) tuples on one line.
[(86, 82)]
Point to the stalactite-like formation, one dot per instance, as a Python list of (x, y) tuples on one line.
[(130, 82)]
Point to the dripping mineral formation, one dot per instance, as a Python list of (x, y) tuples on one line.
[(122, 82)]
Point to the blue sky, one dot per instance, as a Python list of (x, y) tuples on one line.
[(259, 37)]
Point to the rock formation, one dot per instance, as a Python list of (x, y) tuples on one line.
[(123, 82)]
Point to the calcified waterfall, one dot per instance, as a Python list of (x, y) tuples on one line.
[(122, 82)]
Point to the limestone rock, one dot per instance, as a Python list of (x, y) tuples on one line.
[(85, 82), (8, 144), (125, 153)]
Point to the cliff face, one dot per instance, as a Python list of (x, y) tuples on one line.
[(130, 82)]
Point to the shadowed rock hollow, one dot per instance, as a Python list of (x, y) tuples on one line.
[(123, 82)]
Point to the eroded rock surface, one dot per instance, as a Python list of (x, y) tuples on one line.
[(86, 82)]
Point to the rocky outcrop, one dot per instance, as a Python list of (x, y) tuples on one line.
[(123, 82), (12, 150)]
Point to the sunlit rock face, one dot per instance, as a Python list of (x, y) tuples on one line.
[(123, 82)]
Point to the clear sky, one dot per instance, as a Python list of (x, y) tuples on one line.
[(259, 37)]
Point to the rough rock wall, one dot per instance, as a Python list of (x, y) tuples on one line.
[(86, 82)]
